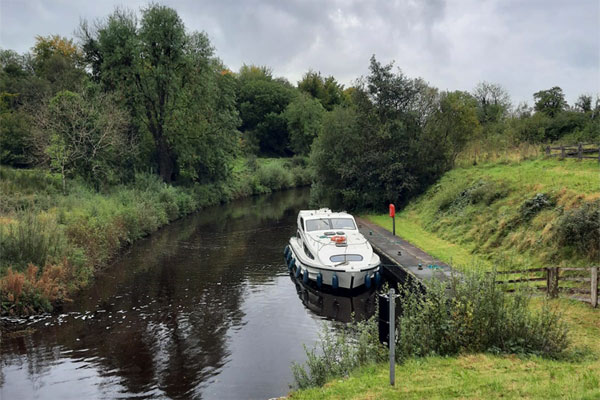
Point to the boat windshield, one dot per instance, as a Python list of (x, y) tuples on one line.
[(346, 257), (322, 224)]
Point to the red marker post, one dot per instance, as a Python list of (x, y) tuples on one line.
[(393, 215)]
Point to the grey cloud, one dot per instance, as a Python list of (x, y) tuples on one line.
[(524, 46)]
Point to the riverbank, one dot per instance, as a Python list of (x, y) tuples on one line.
[(52, 244), (498, 215), (507, 215), (485, 376)]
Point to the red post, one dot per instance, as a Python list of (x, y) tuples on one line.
[(393, 215)]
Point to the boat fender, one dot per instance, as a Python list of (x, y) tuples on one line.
[(286, 250), (377, 279), (298, 271), (368, 281), (305, 276), (319, 280), (334, 281), (292, 263)]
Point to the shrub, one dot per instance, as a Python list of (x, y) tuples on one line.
[(534, 205), (339, 353), (473, 314), (31, 292), (580, 228)]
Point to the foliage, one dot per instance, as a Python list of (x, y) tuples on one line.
[(304, 117), (493, 102), (472, 314), (31, 292), (339, 353), (172, 86), (261, 102), (550, 102), (83, 229), (580, 228), (326, 90), (396, 139)]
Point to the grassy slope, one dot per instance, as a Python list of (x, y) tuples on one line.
[(483, 232), (459, 236)]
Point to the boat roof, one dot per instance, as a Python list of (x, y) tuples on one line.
[(323, 213)]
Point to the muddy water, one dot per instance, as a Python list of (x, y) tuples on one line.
[(204, 308)]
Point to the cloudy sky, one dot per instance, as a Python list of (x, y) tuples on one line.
[(523, 45)]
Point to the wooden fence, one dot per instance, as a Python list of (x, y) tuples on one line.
[(553, 276), (578, 151)]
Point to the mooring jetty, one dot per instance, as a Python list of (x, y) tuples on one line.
[(402, 260)]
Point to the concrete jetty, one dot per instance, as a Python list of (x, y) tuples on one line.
[(401, 259)]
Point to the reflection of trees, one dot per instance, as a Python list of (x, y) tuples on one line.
[(180, 290)]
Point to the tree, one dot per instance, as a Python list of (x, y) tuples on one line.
[(168, 79), (261, 103), (584, 103), (493, 102), (304, 117), (327, 90), (455, 123), (83, 135), (550, 102), (59, 61)]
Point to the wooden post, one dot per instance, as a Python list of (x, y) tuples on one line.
[(552, 282), (594, 298), (548, 151), (562, 151), (579, 151)]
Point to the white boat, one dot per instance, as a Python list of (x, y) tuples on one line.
[(329, 250)]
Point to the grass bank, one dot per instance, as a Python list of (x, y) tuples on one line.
[(51, 243), (485, 376), (532, 213)]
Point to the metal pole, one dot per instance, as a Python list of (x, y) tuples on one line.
[(392, 339), (394, 225)]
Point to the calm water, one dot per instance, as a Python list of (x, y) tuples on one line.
[(204, 308)]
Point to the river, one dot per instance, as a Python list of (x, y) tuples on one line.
[(203, 308)]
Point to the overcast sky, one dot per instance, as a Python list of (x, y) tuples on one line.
[(523, 45)]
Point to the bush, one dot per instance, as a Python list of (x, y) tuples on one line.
[(339, 353), (532, 206), (580, 228), (473, 314)]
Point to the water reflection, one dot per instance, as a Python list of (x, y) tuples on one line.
[(338, 306), (186, 313)]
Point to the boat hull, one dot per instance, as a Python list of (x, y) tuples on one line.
[(346, 277)]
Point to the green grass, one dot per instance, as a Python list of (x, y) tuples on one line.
[(485, 376), (478, 216)]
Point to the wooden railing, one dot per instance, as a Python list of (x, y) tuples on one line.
[(553, 276), (578, 151)]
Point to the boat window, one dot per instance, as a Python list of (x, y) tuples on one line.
[(346, 257), (298, 234), (308, 253), (318, 224), (342, 223), (302, 223)]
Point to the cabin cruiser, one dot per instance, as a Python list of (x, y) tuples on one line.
[(329, 250)]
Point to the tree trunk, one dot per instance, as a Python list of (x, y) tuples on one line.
[(165, 161)]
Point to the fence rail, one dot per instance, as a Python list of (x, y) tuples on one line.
[(575, 151), (552, 276)]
